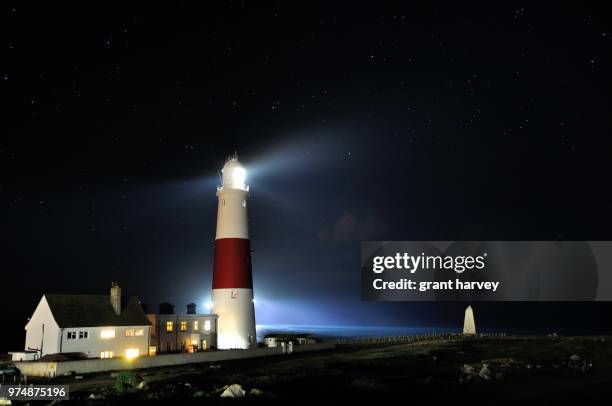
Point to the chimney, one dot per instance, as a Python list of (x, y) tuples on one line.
[(191, 308), (115, 298), (166, 308)]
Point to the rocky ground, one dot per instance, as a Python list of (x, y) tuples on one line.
[(510, 370)]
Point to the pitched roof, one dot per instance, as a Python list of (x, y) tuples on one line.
[(64, 356), (95, 311)]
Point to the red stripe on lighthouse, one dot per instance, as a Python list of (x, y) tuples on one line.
[(232, 265)]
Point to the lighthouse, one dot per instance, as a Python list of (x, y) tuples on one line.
[(232, 290)]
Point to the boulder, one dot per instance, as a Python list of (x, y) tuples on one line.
[(233, 391), (575, 361), (485, 373), (199, 394), (468, 369)]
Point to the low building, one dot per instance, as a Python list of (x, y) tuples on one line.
[(24, 355), (94, 326), (285, 339), (189, 332)]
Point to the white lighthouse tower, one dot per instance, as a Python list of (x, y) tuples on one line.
[(232, 290)]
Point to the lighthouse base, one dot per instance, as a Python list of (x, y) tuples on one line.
[(236, 322)]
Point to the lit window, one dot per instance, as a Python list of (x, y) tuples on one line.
[(107, 334), (106, 354), (83, 334), (207, 325), (139, 332), (195, 326), (152, 350), (183, 325), (169, 326), (72, 335), (129, 332), (131, 353)]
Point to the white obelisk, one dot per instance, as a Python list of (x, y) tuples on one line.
[(469, 326)]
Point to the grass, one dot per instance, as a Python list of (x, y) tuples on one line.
[(428, 372)]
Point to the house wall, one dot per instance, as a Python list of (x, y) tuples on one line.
[(271, 342), (95, 343), (153, 320), (50, 339)]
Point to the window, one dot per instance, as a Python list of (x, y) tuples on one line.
[(139, 332), (106, 354), (152, 350), (129, 332), (80, 335), (195, 325), (183, 325), (207, 325), (107, 334), (131, 353), (169, 326)]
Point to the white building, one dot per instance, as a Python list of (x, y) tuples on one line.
[(190, 332), (282, 339), (94, 326)]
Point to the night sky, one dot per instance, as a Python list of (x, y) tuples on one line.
[(395, 123)]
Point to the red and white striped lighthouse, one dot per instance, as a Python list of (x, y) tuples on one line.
[(232, 291)]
